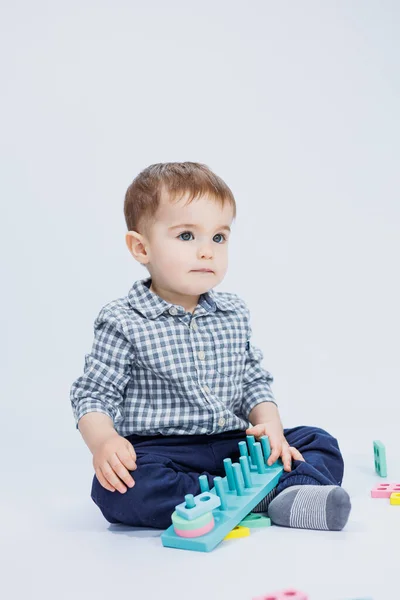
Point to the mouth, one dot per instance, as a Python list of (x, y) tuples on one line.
[(203, 271)]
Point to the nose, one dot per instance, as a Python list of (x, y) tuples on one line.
[(205, 250)]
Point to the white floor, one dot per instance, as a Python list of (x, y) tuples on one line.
[(56, 545)]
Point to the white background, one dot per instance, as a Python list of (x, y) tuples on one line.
[(296, 106)]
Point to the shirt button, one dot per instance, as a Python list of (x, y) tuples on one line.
[(221, 422), (193, 325), (206, 389), (173, 311), (201, 355)]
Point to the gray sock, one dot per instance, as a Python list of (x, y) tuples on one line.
[(311, 507)]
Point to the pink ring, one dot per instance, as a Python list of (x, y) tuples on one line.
[(187, 533)]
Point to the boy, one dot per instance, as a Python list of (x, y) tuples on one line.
[(173, 380)]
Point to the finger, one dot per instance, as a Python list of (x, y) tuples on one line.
[(131, 460), (119, 468), (133, 453), (286, 458), (257, 431), (122, 463), (103, 481), (112, 477), (276, 449), (296, 454)]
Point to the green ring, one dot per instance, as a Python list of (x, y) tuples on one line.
[(186, 525), (255, 520)]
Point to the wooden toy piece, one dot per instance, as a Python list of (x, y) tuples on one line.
[(229, 474), (193, 528), (265, 446), (238, 532), (230, 500), (194, 533), (255, 520), (239, 480), (194, 507), (244, 463), (204, 487), (385, 490), (284, 595), (220, 491), (395, 499), (250, 442), (380, 458), (292, 595), (244, 451), (258, 455)]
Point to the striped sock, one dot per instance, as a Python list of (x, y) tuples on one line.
[(311, 507)]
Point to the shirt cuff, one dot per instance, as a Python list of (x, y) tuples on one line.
[(255, 394), (90, 405)]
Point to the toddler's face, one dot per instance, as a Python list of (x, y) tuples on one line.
[(186, 239)]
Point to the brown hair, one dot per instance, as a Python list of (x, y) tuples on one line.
[(142, 197)]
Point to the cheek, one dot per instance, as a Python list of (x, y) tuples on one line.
[(223, 255), (171, 254)]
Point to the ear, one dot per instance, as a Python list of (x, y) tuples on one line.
[(137, 246)]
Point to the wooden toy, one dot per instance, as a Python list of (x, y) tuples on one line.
[(395, 499), (238, 532), (284, 595), (230, 500), (380, 458), (255, 520), (194, 527), (385, 490)]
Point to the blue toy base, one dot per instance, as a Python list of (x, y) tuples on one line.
[(238, 507)]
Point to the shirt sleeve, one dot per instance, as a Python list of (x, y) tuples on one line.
[(256, 380), (107, 371)]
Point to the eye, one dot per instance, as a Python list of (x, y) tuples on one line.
[(185, 237), (220, 235), (185, 233)]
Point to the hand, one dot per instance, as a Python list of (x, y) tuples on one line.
[(278, 443), (113, 458)]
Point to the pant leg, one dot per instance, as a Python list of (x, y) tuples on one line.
[(168, 468), (324, 462)]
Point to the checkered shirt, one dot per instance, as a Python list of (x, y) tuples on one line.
[(155, 368)]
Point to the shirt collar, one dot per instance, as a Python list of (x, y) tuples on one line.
[(151, 305)]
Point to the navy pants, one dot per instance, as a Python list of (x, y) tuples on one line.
[(168, 467)]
